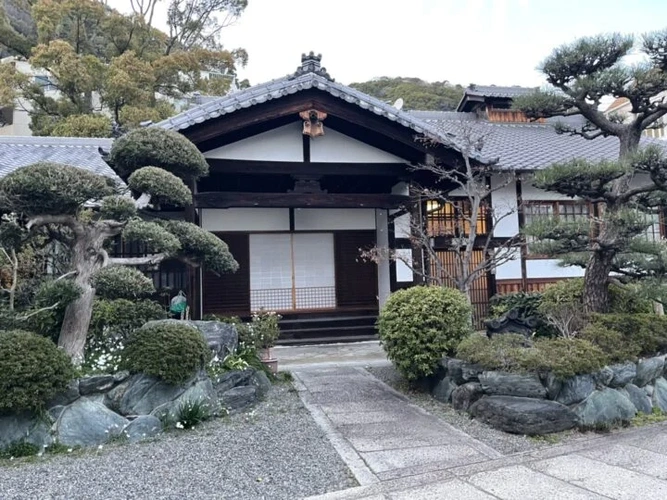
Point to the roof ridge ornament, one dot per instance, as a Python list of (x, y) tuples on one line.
[(311, 63)]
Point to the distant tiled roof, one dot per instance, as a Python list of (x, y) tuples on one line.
[(527, 146), (498, 91), (275, 89), (84, 153)]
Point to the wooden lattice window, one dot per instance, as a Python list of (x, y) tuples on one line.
[(452, 218), (566, 211)]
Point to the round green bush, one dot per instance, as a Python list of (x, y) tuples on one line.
[(419, 325), (32, 371), (121, 282), (171, 351)]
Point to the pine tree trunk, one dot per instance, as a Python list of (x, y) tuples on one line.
[(78, 314), (596, 282)]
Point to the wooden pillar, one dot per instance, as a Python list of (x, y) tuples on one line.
[(522, 223)]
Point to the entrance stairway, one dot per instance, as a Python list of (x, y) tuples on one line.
[(328, 327)]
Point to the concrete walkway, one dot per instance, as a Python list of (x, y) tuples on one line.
[(398, 451)]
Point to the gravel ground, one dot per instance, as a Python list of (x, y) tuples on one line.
[(275, 451), (506, 444)]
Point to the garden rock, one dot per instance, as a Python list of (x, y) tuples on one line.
[(604, 377), (519, 415), (141, 394), (86, 423), (604, 407), (142, 427), (239, 397), (97, 383), (648, 389), (660, 394), (623, 374), (201, 392), (648, 369), (443, 389), (55, 411), (24, 427), (121, 376), (68, 396), (553, 385), (576, 389), (229, 380), (638, 398), (465, 395), (512, 384), (461, 372), (262, 382)]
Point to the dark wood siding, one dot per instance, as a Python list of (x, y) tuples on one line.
[(229, 294), (356, 280)]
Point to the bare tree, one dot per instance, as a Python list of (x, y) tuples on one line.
[(465, 190)]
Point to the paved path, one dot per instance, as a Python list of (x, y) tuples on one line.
[(330, 355), (398, 451)]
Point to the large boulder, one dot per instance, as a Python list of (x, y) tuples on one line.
[(660, 394), (66, 397), (24, 427), (519, 415), (512, 384), (96, 383), (262, 382), (221, 337), (86, 423), (443, 390), (623, 374), (142, 427), (229, 380), (638, 398), (141, 394), (576, 389), (461, 371), (605, 407), (603, 377), (202, 392), (648, 370), (465, 395), (238, 398)]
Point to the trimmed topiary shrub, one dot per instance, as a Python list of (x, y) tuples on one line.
[(514, 353), (170, 351), (163, 186), (644, 333), (32, 371), (121, 282), (614, 344), (419, 325)]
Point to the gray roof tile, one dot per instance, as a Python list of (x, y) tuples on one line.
[(529, 146), (84, 153), (499, 91)]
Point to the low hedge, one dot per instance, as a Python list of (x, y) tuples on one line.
[(628, 335), (514, 353), (419, 325), (32, 371), (170, 351)]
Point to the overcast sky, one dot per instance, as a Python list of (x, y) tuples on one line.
[(464, 41)]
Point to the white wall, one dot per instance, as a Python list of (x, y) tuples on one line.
[(531, 193), (281, 144), (504, 206), (336, 147), (510, 270), (329, 219), (549, 268), (403, 266), (245, 219)]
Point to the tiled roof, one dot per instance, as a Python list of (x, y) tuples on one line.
[(527, 146), (84, 153), (498, 91), (282, 87)]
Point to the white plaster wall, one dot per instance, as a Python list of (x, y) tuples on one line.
[(510, 270), (549, 268), (329, 219), (336, 147), (245, 219), (504, 206), (531, 193), (281, 144), (402, 226), (403, 272), (382, 238)]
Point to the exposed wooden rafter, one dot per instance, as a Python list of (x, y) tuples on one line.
[(299, 200)]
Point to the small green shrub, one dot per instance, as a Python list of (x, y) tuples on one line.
[(191, 413), (644, 333), (122, 282), (526, 303), (561, 307), (49, 321), (19, 449), (614, 344), (419, 325), (171, 351), (32, 371), (565, 357)]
